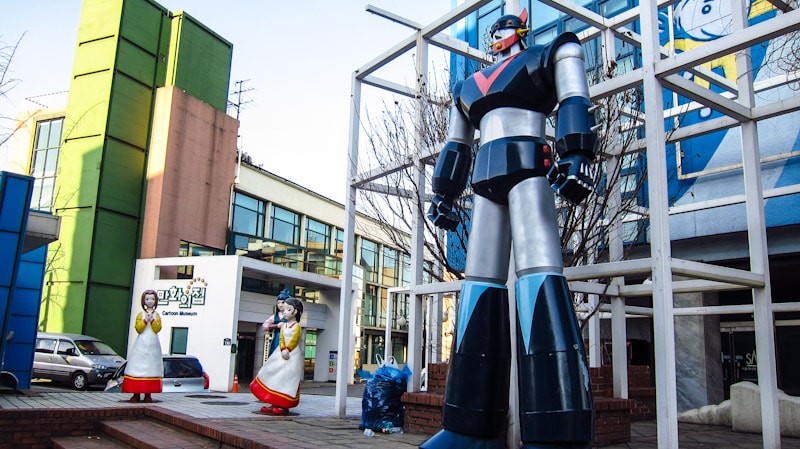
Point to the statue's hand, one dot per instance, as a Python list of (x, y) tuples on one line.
[(441, 213), (572, 177), (285, 354)]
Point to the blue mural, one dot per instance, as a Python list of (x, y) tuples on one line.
[(708, 166)]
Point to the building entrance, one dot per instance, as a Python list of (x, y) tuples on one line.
[(245, 356), (738, 357)]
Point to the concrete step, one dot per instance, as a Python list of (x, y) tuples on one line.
[(87, 442), (147, 434)]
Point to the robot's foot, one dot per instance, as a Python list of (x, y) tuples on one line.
[(451, 440), (555, 446)]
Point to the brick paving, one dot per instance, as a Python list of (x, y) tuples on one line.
[(313, 423)]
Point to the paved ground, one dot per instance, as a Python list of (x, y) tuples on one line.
[(314, 422)]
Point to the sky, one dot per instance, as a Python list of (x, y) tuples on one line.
[(296, 64)]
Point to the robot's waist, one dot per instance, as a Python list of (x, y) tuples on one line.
[(509, 122), (502, 163)]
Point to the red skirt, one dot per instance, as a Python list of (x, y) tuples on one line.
[(264, 394), (141, 384)]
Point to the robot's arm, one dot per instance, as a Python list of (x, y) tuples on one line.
[(576, 142), (452, 171)]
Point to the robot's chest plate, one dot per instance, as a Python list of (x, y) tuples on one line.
[(519, 81)]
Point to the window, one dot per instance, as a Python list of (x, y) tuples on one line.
[(284, 226), (193, 249), (248, 215), (318, 236), (339, 238), (545, 36), (406, 270), (310, 354), (369, 260), (66, 348), (45, 163), (45, 345), (427, 272), (610, 8), (178, 339), (370, 306), (391, 267)]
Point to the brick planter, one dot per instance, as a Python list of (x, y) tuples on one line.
[(612, 421), (641, 392), (423, 412)]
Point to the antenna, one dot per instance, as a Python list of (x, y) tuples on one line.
[(238, 92)]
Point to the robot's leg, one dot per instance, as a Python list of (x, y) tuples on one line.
[(555, 400), (476, 397)]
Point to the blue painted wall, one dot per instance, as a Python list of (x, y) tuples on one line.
[(24, 316), (21, 277)]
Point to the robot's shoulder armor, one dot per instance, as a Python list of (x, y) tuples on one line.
[(457, 95), (559, 49)]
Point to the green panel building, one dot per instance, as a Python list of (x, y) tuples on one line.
[(126, 49)]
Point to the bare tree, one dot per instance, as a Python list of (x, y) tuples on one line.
[(392, 147), (783, 53), (404, 131), (7, 83)]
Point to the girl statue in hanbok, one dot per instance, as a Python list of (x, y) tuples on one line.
[(278, 381), (145, 369)]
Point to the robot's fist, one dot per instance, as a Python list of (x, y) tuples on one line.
[(572, 177), (441, 213)]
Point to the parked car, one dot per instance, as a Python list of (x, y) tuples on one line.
[(79, 360), (182, 374)]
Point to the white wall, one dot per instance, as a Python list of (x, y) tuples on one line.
[(225, 306), (209, 323), (328, 339)]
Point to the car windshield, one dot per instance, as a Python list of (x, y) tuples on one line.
[(93, 347)]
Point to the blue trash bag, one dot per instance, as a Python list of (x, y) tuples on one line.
[(381, 407)]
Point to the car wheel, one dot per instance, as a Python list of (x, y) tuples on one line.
[(80, 381)]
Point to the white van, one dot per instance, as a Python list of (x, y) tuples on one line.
[(79, 360)]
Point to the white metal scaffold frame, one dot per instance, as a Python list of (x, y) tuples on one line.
[(660, 68)]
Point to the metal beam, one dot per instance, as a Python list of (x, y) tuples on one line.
[(608, 269), (460, 48), (438, 287), (427, 32), (700, 270), (391, 86), (594, 288), (733, 199), (729, 44), (393, 17), (694, 91), (388, 190)]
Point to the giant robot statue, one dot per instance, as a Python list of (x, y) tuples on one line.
[(513, 177)]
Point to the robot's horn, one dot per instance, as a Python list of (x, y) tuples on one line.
[(523, 16)]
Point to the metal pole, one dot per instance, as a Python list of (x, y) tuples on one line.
[(387, 341), (418, 229), (661, 253), (345, 359), (757, 240)]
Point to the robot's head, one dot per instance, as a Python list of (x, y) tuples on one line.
[(516, 27)]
